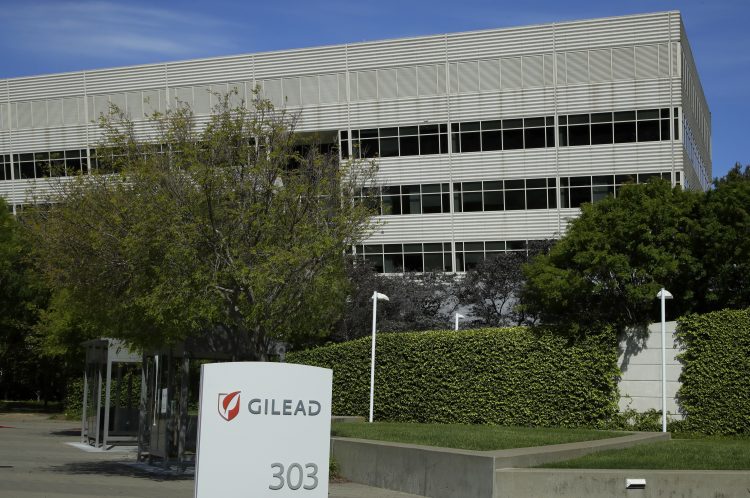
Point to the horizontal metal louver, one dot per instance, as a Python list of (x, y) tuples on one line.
[(183, 96), (150, 102), (646, 61), (427, 80), (4, 124), (562, 79), (407, 81), (489, 75), (310, 91), (387, 84), (663, 60), (291, 92), (343, 96), (54, 112), (202, 99), (236, 92), (578, 67), (600, 65), (510, 72), (39, 114), (329, 88), (101, 106), (23, 115), (134, 105), (623, 63), (453, 75), (117, 99), (272, 92), (442, 87), (533, 71), (468, 77), (219, 90), (676, 60), (367, 85), (549, 68)]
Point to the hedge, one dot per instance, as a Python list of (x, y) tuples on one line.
[(511, 376), (715, 392)]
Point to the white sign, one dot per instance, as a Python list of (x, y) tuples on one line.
[(263, 431)]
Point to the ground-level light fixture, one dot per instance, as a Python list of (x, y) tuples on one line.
[(663, 295), (458, 317), (376, 296)]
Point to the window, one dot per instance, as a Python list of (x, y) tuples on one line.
[(647, 125), (409, 257), (575, 190), (409, 199), (508, 195)]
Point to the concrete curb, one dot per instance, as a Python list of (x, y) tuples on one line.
[(595, 483), (446, 472)]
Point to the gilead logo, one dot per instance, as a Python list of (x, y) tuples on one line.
[(229, 405)]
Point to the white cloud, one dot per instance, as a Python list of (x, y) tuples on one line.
[(113, 30)]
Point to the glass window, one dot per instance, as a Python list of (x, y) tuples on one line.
[(512, 139), (515, 199), (624, 132), (601, 192), (389, 147), (579, 195), (648, 131), (472, 201), (429, 144), (493, 200), (409, 145), (536, 199), (534, 138), (492, 140), (601, 133), (578, 135)]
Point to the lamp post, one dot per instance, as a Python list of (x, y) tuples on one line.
[(376, 296), (458, 316), (664, 295)]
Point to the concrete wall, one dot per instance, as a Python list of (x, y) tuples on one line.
[(640, 364), (595, 483)]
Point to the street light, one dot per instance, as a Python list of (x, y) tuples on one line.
[(376, 296), (664, 295), (458, 315)]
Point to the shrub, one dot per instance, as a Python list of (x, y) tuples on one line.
[(715, 394), (510, 376)]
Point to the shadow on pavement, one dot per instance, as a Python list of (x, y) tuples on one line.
[(67, 433), (119, 469)]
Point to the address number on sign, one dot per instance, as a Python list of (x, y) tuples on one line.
[(295, 476)]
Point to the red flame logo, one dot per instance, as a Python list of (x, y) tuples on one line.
[(229, 405)]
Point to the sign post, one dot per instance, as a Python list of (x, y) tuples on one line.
[(263, 431)]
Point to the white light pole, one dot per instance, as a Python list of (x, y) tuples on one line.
[(458, 316), (664, 295), (376, 296)]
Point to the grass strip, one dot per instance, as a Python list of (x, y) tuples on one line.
[(677, 454), (468, 437)]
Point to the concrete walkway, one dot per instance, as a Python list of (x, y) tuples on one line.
[(36, 461)]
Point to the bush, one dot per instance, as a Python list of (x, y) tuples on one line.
[(510, 376), (715, 392)]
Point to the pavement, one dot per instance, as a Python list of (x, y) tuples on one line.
[(39, 458)]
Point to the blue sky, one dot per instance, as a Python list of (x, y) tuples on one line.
[(39, 37)]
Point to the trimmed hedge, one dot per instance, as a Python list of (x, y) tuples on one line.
[(715, 392), (511, 376)]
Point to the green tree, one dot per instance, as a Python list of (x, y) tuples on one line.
[(725, 242), (614, 258), (238, 225)]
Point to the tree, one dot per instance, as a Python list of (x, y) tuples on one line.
[(417, 301), (614, 258), (725, 242), (492, 289), (238, 225)]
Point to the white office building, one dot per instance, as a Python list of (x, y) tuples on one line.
[(486, 139)]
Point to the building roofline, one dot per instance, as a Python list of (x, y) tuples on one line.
[(340, 45)]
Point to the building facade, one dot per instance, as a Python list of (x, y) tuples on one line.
[(486, 140)]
